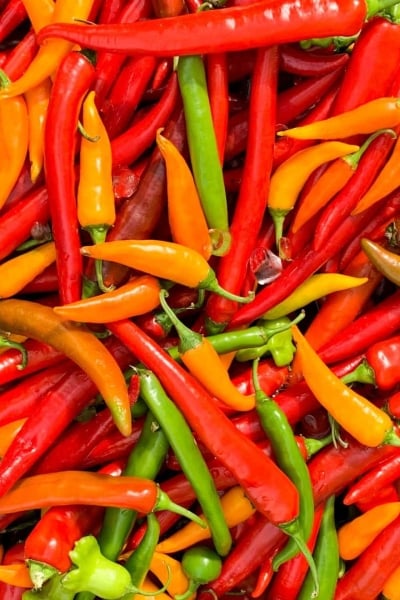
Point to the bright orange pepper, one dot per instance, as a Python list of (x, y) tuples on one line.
[(367, 423), (8, 433), (356, 535), (185, 213), (236, 508), (37, 100), (169, 571), (16, 574), (52, 52), (17, 272), (136, 297), (381, 113), (391, 589), (40, 12), (289, 178)]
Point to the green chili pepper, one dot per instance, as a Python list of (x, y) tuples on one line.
[(190, 458), (207, 170), (97, 574), (280, 345), (326, 555), (145, 460), (139, 561), (201, 565), (278, 430)]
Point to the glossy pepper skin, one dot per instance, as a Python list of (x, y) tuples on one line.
[(383, 358)]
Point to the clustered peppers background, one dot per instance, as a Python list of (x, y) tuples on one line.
[(103, 146)]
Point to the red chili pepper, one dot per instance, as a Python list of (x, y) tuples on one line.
[(11, 17), (39, 356), (229, 29), (382, 357), (110, 10), (126, 93), (343, 203), (368, 55), (383, 474), (73, 79), (366, 577), (217, 83), (139, 215), (393, 405), (384, 495), (21, 55), (233, 449), (45, 282), (250, 206), (13, 555), (309, 63), (62, 404)]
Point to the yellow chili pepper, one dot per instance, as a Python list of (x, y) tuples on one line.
[(16, 574), (52, 52), (289, 178), (136, 297), (391, 589), (367, 423), (381, 113), (185, 213), (169, 571), (236, 508), (95, 195), (37, 100), (166, 260), (356, 535), (40, 12), (315, 287), (8, 433), (17, 272)]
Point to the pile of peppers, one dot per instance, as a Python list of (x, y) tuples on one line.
[(199, 299)]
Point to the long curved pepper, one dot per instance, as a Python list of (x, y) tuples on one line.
[(382, 113), (367, 423), (200, 357), (289, 178), (384, 260), (166, 260), (95, 194), (50, 54), (185, 214), (41, 323)]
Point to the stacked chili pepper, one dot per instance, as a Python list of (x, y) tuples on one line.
[(199, 313)]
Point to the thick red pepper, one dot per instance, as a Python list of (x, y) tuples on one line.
[(383, 358), (383, 474)]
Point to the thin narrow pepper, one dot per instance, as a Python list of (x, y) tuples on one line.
[(168, 260), (229, 29), (357, 415), (207, 170), (17, 272), (288, 179), (39, 13), (41, 323), (12, 16), (380, 476), (185, 213), (203, 361), (95, 194), (37, 101), (49, 55), (139, 561), (181, 441), (381, 113), (218, 86), (295, 60)]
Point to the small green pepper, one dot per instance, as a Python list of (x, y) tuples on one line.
[(201, 565), (279, 345)]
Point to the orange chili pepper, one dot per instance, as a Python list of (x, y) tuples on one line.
[(381, 113), (13, 140), (169, 571), (37, 100), (17, 272), (356, 535), (236, 508), (136, 297), (40, 12), (203, 361), (367, 423), (50, 54), (391, 589), (291, 175), (40, 322), (387, 181), (95, 195), (331, 181), (148, 586), (8, 433), (185, 213), (16, 574), (166, 260)]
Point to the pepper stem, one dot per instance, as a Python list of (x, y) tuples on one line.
[(377, 6), (40, 572), (363, 373), (211, 284), (354, 158), (5, 342), (313, 445), (391, 438), (293, 530), (189, 339), (192, 587), (98, 234), (164, 502), (220, 241)]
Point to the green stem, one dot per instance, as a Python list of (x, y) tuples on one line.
[(211, 284), (188, 338), (98, 234), (363, 373), (5, 342), (293, 530)]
